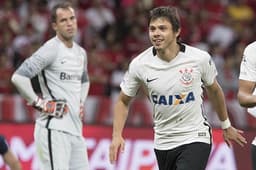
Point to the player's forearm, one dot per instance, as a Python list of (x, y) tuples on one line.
[(15, 165), (12, 161), (217, 99), (120, 116), (246, 100), (84, 91), (24, 86)]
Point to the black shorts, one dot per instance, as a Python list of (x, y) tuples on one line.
[(253, 156), (192, 156)]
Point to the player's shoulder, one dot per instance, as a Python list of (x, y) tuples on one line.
[(78, 47), (195, 52), (53, 43), (251, 47), (143, 56)]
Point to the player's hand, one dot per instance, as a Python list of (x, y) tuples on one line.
[(56, 108), (116, 146), (234, 134)]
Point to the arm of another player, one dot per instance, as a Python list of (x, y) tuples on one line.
[(245, 93), (11, 160), (217, 99), (120, 116), (8, 157)]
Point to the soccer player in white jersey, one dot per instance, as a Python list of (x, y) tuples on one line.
[(61, 67), (247, 92), (173, 75)]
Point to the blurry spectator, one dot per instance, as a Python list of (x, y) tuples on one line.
[(98, 76), (237, 54), (99, 79), (82, 22), (134, 41), (99, 15), (215, 10), (6, 71), (21, 48), (217, 52), (10, 18), (223, 32), (240, 11), (116, 79), (39, 18), (228, 78), (125, 20)]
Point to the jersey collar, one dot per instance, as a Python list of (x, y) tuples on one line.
[(182, 48)]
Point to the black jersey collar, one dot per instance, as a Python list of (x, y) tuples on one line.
[(182, 48)]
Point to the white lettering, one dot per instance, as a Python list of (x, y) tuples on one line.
[(99, 158), (138, 154), (143, 154), (222, 158), (123, 158)]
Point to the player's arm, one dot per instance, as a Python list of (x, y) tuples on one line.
[(84, 93), (56, 108), (85, 86), (8, 157), (245, 93), (22, 81), (24, 86), (120, 116), (29, 69), (217, 99), (11, 160)]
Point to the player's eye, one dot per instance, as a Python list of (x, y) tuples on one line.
[(162, 28), (152, 29), (72, 18)]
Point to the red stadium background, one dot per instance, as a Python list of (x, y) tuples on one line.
[(138, 154)]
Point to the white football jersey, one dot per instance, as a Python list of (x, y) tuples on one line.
[(175, 92), (60, 71), (248, 69)]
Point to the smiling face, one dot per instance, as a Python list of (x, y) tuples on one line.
[(65, 24), (162, 34)]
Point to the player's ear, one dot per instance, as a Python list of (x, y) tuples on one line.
[(54, 26), (178, 32)]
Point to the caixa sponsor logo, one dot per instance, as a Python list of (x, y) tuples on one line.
[(66, 76), (173, 99)]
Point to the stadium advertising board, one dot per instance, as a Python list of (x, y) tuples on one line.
[(138, 154)]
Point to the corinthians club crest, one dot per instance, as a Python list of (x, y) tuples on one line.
[(186, 76)]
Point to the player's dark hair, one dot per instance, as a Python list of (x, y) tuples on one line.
[(63, 5), (171, 13)]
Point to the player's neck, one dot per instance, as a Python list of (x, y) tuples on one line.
[(67, 41), (169, 53)]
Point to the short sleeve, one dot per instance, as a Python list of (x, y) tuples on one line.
[(209, 71), (248, 65), (131, 81)]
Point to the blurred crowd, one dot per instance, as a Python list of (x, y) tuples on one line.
[(114, 31)]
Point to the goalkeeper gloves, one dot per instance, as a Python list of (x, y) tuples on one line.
[(56, 108)]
